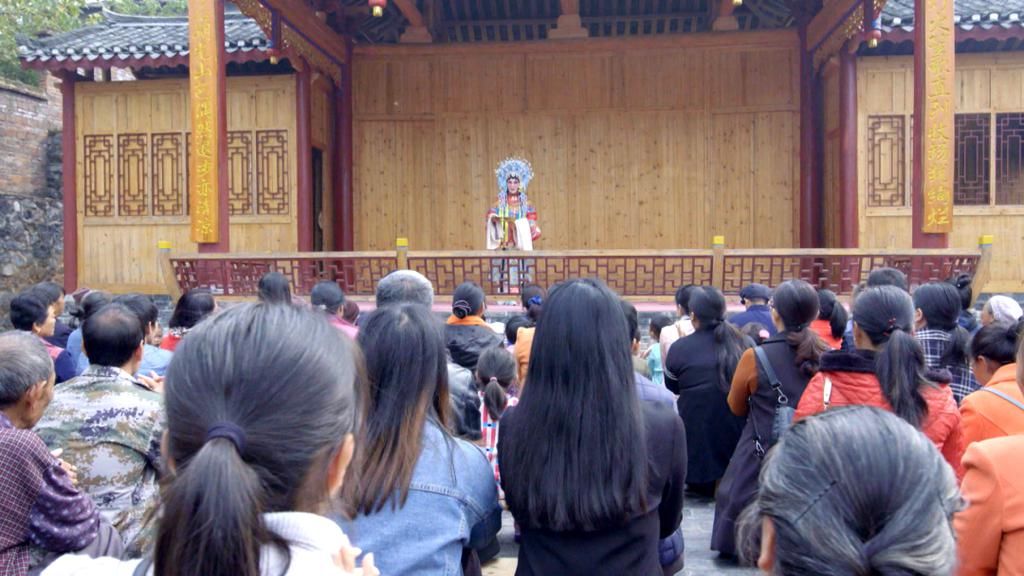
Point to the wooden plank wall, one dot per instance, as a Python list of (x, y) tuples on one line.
[(634, 144), (985, 83), (118, 252)]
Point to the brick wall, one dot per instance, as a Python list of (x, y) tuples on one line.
[(31, 217)]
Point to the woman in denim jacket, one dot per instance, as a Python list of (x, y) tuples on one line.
[(417, 492)]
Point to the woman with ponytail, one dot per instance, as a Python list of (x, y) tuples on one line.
[(261, 412), (943, 340), (793, 355), (496, 380), (467, 334), (699, 368), (832, 317), (990, 412), (887, 370)]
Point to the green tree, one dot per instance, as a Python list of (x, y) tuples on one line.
[(28, 18)]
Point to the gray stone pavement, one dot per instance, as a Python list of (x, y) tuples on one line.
[(698, 515)]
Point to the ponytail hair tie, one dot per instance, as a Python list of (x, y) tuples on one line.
[(535, 301), (493, 379), (229, 430)]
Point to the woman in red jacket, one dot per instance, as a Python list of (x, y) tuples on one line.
[(887, 370)]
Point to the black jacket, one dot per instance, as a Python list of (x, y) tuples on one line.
[(466, 343)]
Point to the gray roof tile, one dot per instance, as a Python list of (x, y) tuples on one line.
[(968, 14)]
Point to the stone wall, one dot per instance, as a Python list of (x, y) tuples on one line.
[(31, 207)]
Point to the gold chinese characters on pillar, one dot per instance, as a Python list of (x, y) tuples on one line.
[(937, 126), (204, 77)]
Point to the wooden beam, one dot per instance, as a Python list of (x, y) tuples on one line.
[(829, 20), (344, 219), (849, 227), (809, 205), (208, 176), (68, 145), (416, 32), (569, 25), (303, 156), (934, 106), (301, 18)]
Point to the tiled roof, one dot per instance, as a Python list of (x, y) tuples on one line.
[(969, 14), (123, 39)]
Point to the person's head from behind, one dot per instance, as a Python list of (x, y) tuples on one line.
[(580, 364), (853, 491), (707, 311), (406, 386), (1002, 310), (495, 375), (30, 314), (794, 307), (887, 277), (328, 297), (144, 308), (937, 306), (756, 331), (191, 308), (468, 300), (682, 299), (273, 288), (532, 297), (632, 324), (114, 337), (351, 312), (657, 324), (51, 294), (993, 347), (26, 379), (404, 286), (755, 295), (963, 283), (832, 310), (261, 412), (91, 303), (883, 321), (513, 325)]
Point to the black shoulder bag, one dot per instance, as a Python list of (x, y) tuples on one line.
[(783, 411)]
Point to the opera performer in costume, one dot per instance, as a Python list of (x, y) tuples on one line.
[(512, 221)]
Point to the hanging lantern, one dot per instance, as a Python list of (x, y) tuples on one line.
[(875, 34), (737, 3), (377, 7)]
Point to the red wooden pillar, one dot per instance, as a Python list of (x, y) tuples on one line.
[(304, 196), (849, 229), (68, 144), (344, 233), (810, 200), (934, 87)]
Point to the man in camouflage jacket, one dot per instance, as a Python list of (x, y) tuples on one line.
[(109, 425)]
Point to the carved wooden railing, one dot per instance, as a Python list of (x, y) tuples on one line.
[(633, 273)]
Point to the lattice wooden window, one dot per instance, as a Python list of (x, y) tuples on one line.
[(887, 166), (168, 185), (1010, 158), (240, 172), (98, 160), (272, 172), (132, 199), (972, 155)]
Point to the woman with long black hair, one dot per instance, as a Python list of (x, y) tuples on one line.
[(416, 491), (942, 338), (887, 370), (789, 358), (593, 476), (699, 368), (832, 317)]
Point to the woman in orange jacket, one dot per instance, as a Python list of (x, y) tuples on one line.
[(887, 370), (991, 412)]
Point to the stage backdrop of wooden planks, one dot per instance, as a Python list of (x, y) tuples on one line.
[(651, 144)]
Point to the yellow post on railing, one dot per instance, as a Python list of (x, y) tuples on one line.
[(402, 252), (984, 270), (718, 262), (167, 271)]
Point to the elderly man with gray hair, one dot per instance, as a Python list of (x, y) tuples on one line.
[(403, 286), (42, 513)]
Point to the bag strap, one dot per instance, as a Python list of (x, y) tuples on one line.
[(773, 379), (143, 568), (826, 393), (1006, 397)]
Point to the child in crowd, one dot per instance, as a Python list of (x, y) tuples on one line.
[(496, 380), (655, 364)]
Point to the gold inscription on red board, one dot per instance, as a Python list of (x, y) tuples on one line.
[(204, 67)]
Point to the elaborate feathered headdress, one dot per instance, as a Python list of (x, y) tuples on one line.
[(519, 168)]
